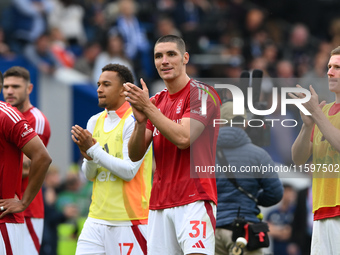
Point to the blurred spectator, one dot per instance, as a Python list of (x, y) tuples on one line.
[(215, 20), (188, 18), (136, 44), (5, 51), (334, 30), (114, 54), (68, 17), (254, 34), (99, 14), (85, 63), (280, 221), (166, 26), (285, 73), (166, 7), (41, 56), (75, 192), (53, 217), (271, 55), (60, 49), (300, 49), (27, 21), (302, 225)]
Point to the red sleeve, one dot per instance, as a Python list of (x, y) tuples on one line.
[(194, 111), (17, 129), (40, 123), (46, 134)]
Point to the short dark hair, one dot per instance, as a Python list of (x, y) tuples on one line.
[(175, 39), (124, 73), (18, 71)]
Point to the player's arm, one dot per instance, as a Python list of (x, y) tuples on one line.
[(40, 161), (180, 134), (123, 168), (140, 140), (26, 164), (302, 146)]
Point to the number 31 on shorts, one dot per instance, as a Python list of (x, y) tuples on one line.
[(197, 227)]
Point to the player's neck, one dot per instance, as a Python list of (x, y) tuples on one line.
[(177, 84), (337, 98), (25, 106)]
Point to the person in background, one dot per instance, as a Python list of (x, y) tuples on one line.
[(53, 216), (280, 222), (267, 188)]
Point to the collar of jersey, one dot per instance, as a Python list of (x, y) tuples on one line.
[(121, 110), (175, 95)]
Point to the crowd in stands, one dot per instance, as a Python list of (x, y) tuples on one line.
[(289, 41), (81, 34)]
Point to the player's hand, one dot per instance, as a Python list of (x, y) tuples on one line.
[(311, 105), (12, 205), (139, 116), (82, 137), (137, 97), (85, 155)]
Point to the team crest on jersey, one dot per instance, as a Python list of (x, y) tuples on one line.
[(179, 106), (97, 134)]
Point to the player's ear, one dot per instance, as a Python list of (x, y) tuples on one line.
[(30, 88), (185, 58), (122, 89)]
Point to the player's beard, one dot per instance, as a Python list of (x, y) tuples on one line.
[(19, 104), (102, 105)]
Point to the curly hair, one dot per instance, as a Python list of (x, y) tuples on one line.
[(124, 73)]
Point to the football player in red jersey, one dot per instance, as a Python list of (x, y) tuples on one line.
[(182, 214), (16, 90), (17, 136)]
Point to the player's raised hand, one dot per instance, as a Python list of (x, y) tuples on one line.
[(83, 138), (137, 97), (311, 105)]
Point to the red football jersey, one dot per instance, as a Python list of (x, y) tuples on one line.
[(173, 185), (41, 126), (15, 132)]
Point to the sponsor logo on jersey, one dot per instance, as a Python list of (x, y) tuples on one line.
[(28, 130), (105, 176)]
